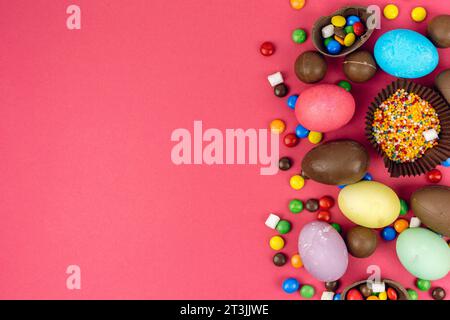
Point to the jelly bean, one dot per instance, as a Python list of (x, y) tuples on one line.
[(283, 227), (349, 39), (392, 294), (277, 126), (297, 4), (291, 285), (388, 233), (295, 206), (327, 41), (296, 261), (285, 163), (434, 176), (418, 14), (412, 294), (280, 90), (403, 207), (267, 48), (368, 177), (372, 298), (354, 294), (339, 40), (337, 227), (334, 47), (358, 28), (345, 84), (390, 11), (338, 21), (301, 131), (279, 259), (323, 215), (307, 291), (446, 163), (291, 140), (337, 296), (401, 225), (349, 29), (299, 36), (382, 295), (292, 100), (315, 137), (326, 202), (276, 243), (328, 31), (423, 285), (352, 19), (297, 182)]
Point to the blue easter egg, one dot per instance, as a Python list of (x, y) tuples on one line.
[(351, 20), (292, 100), (406, 54), (301, 131), (334, 47)]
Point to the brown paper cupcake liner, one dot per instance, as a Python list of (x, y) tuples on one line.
[(317, 39), (432, 157)]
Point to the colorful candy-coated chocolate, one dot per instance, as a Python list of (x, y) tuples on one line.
[(358, 29), (388, 233), (338, 21), (323, 215), (446, 163), (295, 206), (297, 182), (367, 177), (292, 100), (307, 291), (285, 163), (372, 298), (290, 285), (337, 296), (267, 48), (345, 84), (418, 14), (280, 90), (290, 140), (412, 294), (299, 36), (334, 47), (276, 243), (401, 225), (301, 131), (392, 294), (326, 202), (339, 40), (277, 126), (337, 227), (351, 20), (315, 137), (296, 261), (382, 295), (438, 293), (390, 11), (403, 207), (349, 39), (297, 4), (312, 205), (332, 285), (434, 175), (349, 29), (283, 227), (279, 259), (327, 41), (423, 285), (354, 294)]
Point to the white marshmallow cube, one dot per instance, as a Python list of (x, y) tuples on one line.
[(377, 286), (430, 135), (272, 221), (414, 222), (275, 79), (327, 295), (327, 31)]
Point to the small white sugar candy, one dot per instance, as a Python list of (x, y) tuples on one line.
[(327, 31), (272, 221), (414, 222), (327, 295), (377, 286), (275, 79), (430, 135)]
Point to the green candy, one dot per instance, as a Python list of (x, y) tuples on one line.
[(349, 29), (295, 206), (345, 84), (307, 291), (327, 41), (283, 227), (299, 36), (337, 227), (403, 207), (423, 285), (412, 294)]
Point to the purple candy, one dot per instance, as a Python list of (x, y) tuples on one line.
[(323, 251)]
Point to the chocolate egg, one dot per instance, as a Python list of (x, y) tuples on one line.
[(336, 162), (310, 67), (442, 83), (439, 31), (361, 242), (431, 205), (360, 66)]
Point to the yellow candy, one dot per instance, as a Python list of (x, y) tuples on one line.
[(390, 11), (297, 4), (349, 39), (382, 295), (297, 182), (277, 126), (418, 14), (315, 137), (338, 21), (276, 243), (373, 298)]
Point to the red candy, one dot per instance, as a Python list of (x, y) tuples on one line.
[(392, 294), (323, 216), (291, 140), (358, 28), (354, 294), (267, 49), (326, 202), (434, 176)]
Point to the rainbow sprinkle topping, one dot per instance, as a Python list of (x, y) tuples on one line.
[(399, 124)]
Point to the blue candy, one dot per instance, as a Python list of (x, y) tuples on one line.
[(446, 163), (334, 47), (301, 131), (368, 177), (388, 234), (342, 186), (351, 20), (337, 296), (292, 100), (291, 285)]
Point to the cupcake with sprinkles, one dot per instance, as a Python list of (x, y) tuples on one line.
[(408, 125)]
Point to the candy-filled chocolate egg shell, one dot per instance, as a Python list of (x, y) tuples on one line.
[(336, 162), (431, 205)]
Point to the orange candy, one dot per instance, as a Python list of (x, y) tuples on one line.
[(277, 126), (297, 4), (401, 225), (296, 261), (372, 298)]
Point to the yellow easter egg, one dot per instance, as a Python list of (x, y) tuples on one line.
[(369, 204)]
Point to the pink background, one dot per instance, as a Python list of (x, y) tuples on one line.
[(85, 170)]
